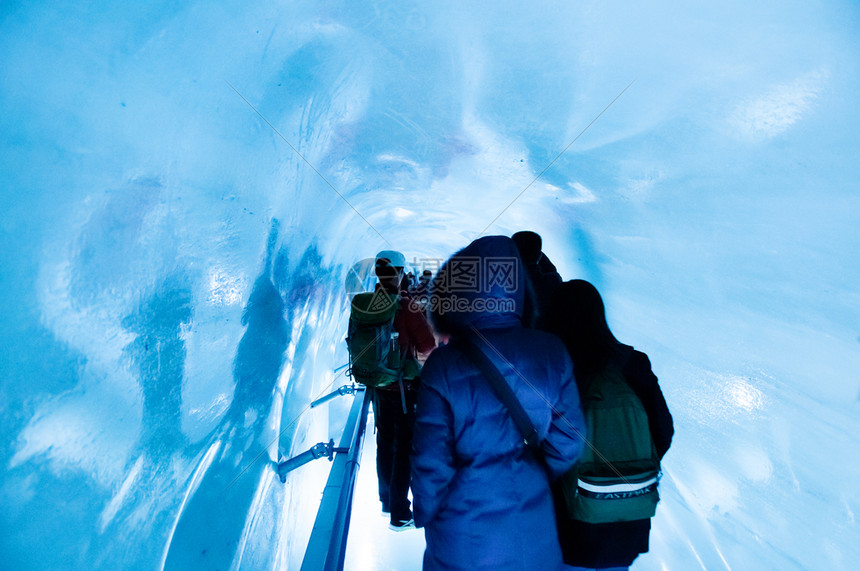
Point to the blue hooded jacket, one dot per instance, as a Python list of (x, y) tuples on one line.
[(482, 497)]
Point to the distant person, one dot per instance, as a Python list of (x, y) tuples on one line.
[(543, 276), (395, 382), (423, 285), (482, 497), (421, 292), (579, 319), (407, 284)]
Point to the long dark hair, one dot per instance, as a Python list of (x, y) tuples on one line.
[(578, 317)]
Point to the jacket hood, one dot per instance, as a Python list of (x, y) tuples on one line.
[(481, 286)]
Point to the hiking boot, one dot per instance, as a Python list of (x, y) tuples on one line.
[(402, 524)]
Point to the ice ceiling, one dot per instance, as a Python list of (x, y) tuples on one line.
[(186, 185)]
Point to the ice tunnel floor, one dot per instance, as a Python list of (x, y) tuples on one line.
[(371, 546)]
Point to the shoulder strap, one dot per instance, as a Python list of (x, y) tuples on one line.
[(504, 393), (622, 357)]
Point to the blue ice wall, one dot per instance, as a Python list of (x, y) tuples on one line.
[(185, 186)]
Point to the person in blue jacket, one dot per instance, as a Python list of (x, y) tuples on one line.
[(481, 495)]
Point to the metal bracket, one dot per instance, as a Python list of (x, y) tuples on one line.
[(344, 366), (320, 450), (344, 390)]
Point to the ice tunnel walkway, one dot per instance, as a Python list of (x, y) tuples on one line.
[(350, 531), (371, 546)]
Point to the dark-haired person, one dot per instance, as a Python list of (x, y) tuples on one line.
[(543, 276), (421, 292), (578, 317), (483, 498)]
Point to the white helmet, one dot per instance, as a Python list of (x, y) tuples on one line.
[(392, 258)]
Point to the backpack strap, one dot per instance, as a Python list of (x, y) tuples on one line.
[(504, 393), (400, 383), (403, 356)]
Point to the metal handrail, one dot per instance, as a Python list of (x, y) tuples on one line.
[(327, 546)]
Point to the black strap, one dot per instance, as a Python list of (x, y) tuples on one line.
[(403, 356), (504, 393)]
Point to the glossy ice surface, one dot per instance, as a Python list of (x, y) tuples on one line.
[(186, 186)]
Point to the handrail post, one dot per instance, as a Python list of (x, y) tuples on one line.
[(344, 390), (327, 545)]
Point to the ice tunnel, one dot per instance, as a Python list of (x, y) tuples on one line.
[(186, 186)]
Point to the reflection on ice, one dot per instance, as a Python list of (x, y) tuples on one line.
[(224, 288), (781, 107), (744, 395)]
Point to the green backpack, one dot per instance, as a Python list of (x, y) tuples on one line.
[(374, 355), (616, 477)]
